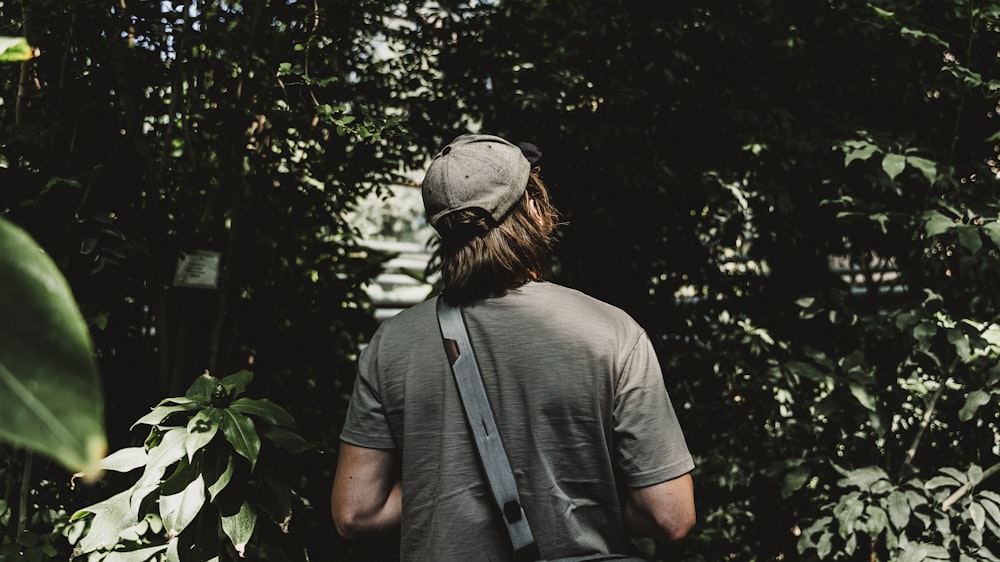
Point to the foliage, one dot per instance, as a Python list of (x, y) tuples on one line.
[(211, 470), (53, 398), (147, 131), (40, 535), (907, 522), (796, 200)]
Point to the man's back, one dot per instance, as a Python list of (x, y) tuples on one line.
[(580, 402)]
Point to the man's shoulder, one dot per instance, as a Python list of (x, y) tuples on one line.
[(553, 292)]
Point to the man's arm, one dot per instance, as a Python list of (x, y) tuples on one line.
[(663, 511), (367, 497)]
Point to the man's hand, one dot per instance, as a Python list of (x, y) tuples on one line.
[(367, 497), (663, 511)]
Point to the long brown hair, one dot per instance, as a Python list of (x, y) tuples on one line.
[(478, 261)]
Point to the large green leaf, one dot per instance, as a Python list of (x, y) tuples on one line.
[(49, 384), (240, 432), (111, 517), (265, 409), (201, 429)]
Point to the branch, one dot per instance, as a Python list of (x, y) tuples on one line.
[(966, 488), (911, 452)]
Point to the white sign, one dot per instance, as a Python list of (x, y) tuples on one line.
[(198, 269)]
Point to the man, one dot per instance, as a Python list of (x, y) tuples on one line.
[(574, 383)]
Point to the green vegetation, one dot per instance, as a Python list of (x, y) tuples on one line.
[(799, 201)]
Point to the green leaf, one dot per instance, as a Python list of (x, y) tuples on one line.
[(865, 398), (992, 230), (978, 515), (899, 510), (202, 389), (178, 510), (847, 512), (264, 409), (160, 413), (877, 520), (935, 223), (201, 429), (824, 545), (111, 517), (940, 482), (239, 527), (236, 383), (893, 165), (139, 555), (864, 478), (975, 400), (968, 237), (222, 481), (927, 167), (15, 49), (274, 498), (125, 460), (162, 456), (286, 440), (240, 432), (858, 150), (51, 390), (992, 508), (794, 481)]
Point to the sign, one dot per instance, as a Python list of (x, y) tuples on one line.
[(198, 270)]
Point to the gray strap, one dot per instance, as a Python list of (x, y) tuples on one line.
[(484, 428)]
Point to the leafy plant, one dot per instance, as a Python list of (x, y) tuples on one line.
[(211, 470), (908, 522)]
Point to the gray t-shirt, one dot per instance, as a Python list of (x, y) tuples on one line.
[(581, 406)]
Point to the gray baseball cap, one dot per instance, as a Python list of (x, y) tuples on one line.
[(475, 171)]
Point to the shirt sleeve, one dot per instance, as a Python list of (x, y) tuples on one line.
[(366, 424), (649, 444)]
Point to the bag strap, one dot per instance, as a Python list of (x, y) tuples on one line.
[(479, 415)]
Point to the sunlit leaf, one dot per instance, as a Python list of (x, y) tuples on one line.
[(15, 49), (178, 510), (239, 527), (893, 165), (201, 429), (52, 401), (927, 167), (899, 510), (858, 150), (111, 517), (935, 223), (222, 481), (125, 460), (975, 400), (138, 555), (161, 413), (864, 397)]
